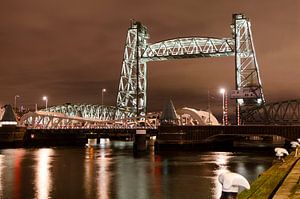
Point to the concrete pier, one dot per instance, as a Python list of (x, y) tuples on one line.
[(140, 144)]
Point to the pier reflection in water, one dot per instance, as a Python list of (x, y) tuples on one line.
[(111, 171)]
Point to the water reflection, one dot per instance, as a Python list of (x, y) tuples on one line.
[(109, 170), (156, 177), (103, 174), (1, 172), (132, 178), (17, 172), (97, 170), (43, 179), (221, 160)]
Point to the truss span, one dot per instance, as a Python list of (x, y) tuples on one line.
[(190, 47), (91, 111), (51, 120), (279, 113)]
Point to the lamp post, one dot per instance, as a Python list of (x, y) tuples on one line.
[(16, 96), (102, 95), (222, 91), (45, 98)]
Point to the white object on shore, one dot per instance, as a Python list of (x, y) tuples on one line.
[(232, 181), (280, 152), (294, 144)]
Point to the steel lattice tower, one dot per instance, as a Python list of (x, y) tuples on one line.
[(248, 83), (132, 98)]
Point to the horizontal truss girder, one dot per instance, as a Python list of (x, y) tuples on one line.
[(190, 47)]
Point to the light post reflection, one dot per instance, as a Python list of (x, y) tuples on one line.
[(103, 175), (43, 180), (97, 173)]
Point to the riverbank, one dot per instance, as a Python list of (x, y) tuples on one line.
[(275, 182)]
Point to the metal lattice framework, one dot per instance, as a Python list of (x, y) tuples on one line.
[(188, 48), (133, 81), (246, 66), (70, 116), (54, 120), (131, 97), (92, 111), (281, 113)]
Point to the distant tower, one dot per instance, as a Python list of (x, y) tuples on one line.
[(169, 115), (9, 117)]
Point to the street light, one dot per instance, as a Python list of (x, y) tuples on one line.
[(102, 95), (16, 96), (222, 91), (45, 98)]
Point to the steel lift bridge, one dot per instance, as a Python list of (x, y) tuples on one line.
[(131, 108)]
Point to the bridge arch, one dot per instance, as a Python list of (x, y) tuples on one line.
[(279, 113)]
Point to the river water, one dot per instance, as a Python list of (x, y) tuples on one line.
[(111, 171)]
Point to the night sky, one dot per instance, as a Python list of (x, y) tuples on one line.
[(70, 49)]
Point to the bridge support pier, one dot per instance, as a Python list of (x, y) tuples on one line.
[(140, 144), (92, 139)]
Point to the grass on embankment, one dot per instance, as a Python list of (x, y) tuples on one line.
[(268, 182)]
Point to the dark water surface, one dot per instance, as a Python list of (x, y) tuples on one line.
[(111, 171)]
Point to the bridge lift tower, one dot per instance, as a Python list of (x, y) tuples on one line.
[(132, 94)]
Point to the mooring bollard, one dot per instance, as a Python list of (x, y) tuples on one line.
[(230, 184)]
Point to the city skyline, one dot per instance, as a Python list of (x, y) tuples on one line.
[(69, 51)]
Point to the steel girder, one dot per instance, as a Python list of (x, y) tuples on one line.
[(280, 113), (191, 47)]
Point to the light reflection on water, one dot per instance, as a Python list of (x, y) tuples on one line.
[(43, 180), (222, 159), (1, 171), (110, 171)]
